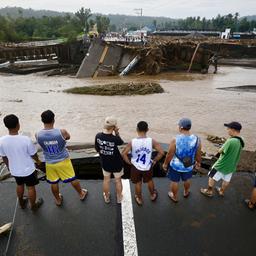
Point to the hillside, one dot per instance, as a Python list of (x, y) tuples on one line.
[(251, 17), (15, 12), (116, 19)]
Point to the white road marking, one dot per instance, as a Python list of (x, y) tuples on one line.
[(129, 233)]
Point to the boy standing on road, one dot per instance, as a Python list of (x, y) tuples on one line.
[(17, 152), (141, 149), (58, 163), (226, 165), (106, 143), (183, 155)]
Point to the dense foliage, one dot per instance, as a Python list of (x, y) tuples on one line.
[(26, 24)]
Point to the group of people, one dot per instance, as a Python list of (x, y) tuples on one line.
[(184, 155)]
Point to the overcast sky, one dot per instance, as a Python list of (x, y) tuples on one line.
[(168, 8)]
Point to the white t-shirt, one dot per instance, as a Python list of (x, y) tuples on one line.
[(18, 149)]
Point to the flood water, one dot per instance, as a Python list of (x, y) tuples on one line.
[(186, 95)]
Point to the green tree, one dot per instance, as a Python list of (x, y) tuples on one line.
[(103, 23), (83, 15)]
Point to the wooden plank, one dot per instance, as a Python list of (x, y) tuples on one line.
[(103, 54), (192, 60)]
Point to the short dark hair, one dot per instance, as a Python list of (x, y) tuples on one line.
[(142, 126), (11, 121), (47, 117)]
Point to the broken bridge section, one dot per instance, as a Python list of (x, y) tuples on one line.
[(102, 60)]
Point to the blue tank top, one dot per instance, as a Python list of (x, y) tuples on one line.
[(185, 146), (53, 145)]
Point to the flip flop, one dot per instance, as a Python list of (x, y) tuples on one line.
[(106, 198), (85, 194), (171, 196), (248, 203), (138, 200), (154, 196), (5, 228), (220, 193), (205, 192), (186, 195), (61, 200)]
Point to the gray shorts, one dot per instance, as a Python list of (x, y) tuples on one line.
[(116, 174)]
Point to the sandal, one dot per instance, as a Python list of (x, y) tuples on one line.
[(84, 195), (219, 191), (106, 197), (61, 200), (24, 202), (138, 200), (171, 196), (186, 195), (206, 192), (250, 205), (154, 196)]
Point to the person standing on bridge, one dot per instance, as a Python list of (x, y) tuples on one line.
[(141, 149), (17, 152), (251, 203), (58, 163), (106, 143), (226, 165), (183, 155)]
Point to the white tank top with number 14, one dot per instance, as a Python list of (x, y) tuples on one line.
[(141, 153)]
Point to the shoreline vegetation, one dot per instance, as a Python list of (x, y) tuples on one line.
[(118, 89)]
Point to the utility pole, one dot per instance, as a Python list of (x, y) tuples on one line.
[(139, 12)]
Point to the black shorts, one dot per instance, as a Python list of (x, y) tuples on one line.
[(29, 181), (138, 176), (255, 183)]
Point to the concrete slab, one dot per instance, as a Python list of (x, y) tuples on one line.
[(91, 62)]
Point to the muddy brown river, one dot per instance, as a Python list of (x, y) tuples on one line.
[(186, 95)]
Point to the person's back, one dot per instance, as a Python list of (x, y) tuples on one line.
[(225, 166), (141, 153), (18, 149), (53, 145), (106, 144), (184, 154), (186, 146), (230, 155), (141, 149), (57, 162), (17, 152)]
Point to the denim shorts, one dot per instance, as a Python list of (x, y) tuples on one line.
[(176, 176)]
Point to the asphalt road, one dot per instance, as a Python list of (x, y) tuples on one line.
[(194, 226)]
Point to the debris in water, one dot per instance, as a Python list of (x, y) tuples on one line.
[(216, 139), (119, 89)]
